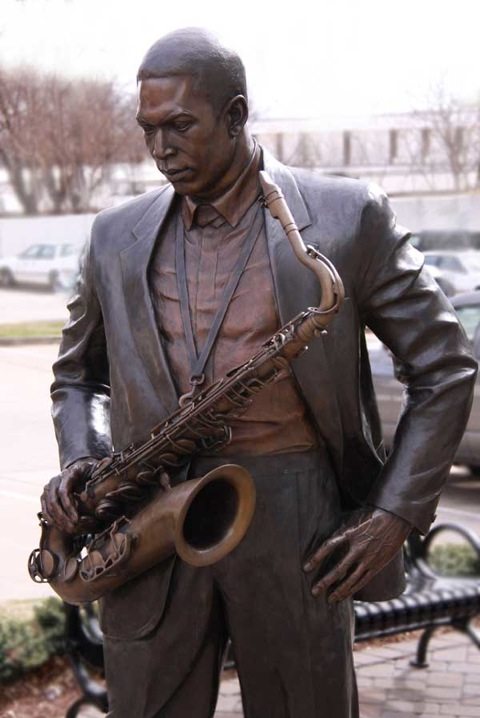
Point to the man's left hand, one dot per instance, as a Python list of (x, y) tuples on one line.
[(367, 541)]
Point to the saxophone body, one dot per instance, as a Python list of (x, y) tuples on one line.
[(131, 518)]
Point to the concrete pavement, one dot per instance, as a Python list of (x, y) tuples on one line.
[(23, 305), (28, 460)]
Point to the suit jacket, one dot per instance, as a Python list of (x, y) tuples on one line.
[(112, 381)]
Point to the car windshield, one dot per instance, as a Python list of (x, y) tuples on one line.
[(47, 251), (67, 250), (31, 251), (469, 317)]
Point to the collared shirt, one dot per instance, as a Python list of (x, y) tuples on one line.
[(233, 204), (276, 421)]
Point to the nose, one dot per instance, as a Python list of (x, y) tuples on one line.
[(162, 147)]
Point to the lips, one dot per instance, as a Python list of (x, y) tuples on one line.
[(175, 174)]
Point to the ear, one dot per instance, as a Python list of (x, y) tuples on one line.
[(236, 115)]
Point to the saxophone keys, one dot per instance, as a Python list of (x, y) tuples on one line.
[(35, 568), (70, 569), (44, 565)]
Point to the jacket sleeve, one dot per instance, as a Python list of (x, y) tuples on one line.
[(80, 391), (404, 307)]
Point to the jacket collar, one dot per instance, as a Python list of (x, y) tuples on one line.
[(134, 261)]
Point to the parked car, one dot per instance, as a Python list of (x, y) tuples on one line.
[(451, 239), (48, 264), (460, 268), (445, 284), (389, 390)]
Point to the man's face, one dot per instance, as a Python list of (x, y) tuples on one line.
[(186, 137)]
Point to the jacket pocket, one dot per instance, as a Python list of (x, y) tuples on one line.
[(136, 608)]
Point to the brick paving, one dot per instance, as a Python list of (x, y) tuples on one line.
[(390, 687)]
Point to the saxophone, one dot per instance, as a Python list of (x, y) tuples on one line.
[(130, 517)]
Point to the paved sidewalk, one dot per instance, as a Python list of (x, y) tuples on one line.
[(390, 688)]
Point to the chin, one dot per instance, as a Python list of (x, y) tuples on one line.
[(183, 187)]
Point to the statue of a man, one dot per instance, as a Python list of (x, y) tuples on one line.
[(331, 516)]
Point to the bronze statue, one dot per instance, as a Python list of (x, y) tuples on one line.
[(130, 518), (181, 285)]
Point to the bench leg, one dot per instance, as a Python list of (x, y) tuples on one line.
[(72, 712), (466, 627), (422, 647)]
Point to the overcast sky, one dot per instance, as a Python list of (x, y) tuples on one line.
[(315, 59)]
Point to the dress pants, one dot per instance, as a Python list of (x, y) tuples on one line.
[(293, 651)]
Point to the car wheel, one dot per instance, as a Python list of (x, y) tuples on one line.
[(54, 282), (6, 278)]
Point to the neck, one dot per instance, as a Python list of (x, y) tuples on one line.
[(241, 157)]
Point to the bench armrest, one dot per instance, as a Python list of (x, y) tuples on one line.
[(417, 548)]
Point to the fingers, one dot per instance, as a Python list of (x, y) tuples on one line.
[(43, 502), (351, 585), (335, 575), (324, 552), (51, 504), (57, 500), (65, 493)]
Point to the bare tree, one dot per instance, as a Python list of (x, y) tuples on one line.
[(59, 138), (448, 140), (19, 100)]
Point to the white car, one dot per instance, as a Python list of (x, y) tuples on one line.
[(460, 268), (49, 265)]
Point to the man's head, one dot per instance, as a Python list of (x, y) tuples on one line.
[(193, 109)]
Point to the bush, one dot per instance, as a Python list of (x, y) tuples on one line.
[(454, 560), (25, 645)]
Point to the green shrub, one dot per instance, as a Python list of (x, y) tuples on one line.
[(25, 645), (454, 560), (50, 617)]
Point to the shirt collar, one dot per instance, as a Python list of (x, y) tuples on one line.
[(233, 204)]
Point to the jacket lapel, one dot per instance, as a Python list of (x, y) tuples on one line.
[(296, 288), (135, 260)]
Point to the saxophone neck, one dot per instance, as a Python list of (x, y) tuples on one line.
[(330, 283)]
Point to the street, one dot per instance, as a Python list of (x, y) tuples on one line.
[(29, 459), (18, 304)]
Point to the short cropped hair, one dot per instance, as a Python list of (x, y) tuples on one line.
[(218, 72)]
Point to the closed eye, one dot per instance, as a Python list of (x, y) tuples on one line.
[(148, 129), (182, 125)]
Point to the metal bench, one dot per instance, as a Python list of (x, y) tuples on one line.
[(429, 602)]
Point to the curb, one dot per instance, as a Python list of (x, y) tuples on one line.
[(18, 341)]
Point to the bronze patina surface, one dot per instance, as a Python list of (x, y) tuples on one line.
[(330, 517)]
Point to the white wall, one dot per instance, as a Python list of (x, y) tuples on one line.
[(461, 211)]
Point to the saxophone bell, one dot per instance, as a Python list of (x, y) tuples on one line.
[(202, 520)]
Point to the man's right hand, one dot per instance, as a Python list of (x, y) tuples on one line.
[(58, 504)]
